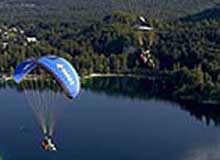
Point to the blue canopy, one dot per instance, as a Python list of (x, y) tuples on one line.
[(23, 69), (60, 68)]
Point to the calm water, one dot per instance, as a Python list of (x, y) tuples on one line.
[(98, 126)]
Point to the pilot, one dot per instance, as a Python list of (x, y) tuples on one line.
[(47, 144)]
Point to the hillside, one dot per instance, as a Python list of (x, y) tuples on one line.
[(86, 11), (211, 13)]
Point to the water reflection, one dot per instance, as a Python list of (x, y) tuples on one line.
[(139, 89), (209, 114), (144, 89), (134, 88), (145, 125), (204, 153)]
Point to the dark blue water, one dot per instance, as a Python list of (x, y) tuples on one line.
[(101, 127)]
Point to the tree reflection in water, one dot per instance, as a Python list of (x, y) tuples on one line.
[(142, 89), (145, 90)]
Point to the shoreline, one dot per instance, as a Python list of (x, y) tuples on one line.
[(96, 75), (93, 75), (6, 78)]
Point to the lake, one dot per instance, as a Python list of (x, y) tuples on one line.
[(103, 125)]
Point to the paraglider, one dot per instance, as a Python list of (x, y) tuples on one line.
[(145, 54), (45, 104)]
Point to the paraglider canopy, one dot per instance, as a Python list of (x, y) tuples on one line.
[(143, 24), (144, 28), (60, 68), (142, 19)]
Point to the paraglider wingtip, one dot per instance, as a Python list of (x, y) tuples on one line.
[(69, 97)]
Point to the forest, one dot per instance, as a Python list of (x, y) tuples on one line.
[(84, 12), (185, 51)]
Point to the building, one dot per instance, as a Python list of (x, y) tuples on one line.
[(32, 40)]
